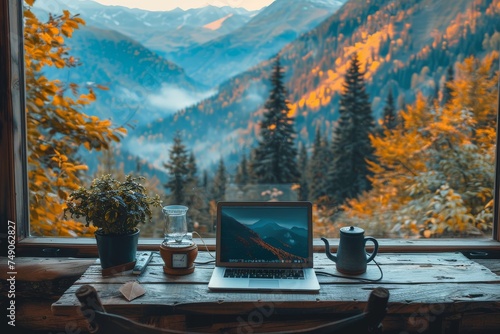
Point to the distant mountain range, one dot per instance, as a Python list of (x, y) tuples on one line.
[(142, 25), (263, 240), (257, 40), (211, 43), (404, 46), (280, 237), (130, 51), (205, 72)]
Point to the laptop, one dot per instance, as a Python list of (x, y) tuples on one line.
[(264, 246)]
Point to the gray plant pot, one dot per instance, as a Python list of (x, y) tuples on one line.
[(115, 250)]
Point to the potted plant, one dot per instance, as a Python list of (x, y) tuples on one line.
[(116, 209)]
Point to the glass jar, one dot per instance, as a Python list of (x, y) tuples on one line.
[(175, 224)]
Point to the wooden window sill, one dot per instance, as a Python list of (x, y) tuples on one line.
[(431, 289)]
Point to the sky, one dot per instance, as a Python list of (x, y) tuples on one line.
[(164, 5), (287, 217)]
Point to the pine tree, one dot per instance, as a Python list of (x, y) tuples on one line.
[(178, 171), (389, 117), (242, 177), (192, 170), (303, 191), (204, 181), (194, 197), (276, 154), (220, 181), (250, 166), (351, 147), (447, 87), (108, 164), (318, 167), (193, 194), (435, 95)]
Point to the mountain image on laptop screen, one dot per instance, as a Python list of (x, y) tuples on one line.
[(265, 240)]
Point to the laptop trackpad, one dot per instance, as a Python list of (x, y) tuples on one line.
[(263, 283)]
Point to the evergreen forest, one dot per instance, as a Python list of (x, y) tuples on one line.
[(376, 122)]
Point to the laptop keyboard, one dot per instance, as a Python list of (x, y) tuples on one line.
[(264, 273)]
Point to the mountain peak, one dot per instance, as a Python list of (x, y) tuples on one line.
[(217, 23), (267, 223)]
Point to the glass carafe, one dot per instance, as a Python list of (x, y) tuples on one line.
[(175, 224)]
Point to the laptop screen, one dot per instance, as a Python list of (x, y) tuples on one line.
[(264, 234)]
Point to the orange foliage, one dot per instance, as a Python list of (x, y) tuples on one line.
[(332, 83), (56, 126), (424, 150)]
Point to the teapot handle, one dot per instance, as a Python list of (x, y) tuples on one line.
[(375, 250)]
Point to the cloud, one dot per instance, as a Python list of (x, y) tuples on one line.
[(171, 98), (152, 152), (128, 95)]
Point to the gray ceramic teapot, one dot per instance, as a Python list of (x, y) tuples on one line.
[(351, 256)]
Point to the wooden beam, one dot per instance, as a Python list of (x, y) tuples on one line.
[(37, 269), (13, 183), (7, 205)]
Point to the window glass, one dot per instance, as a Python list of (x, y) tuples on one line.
[(381, 113)]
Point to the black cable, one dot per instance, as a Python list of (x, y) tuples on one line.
[(204, 244), (206, 262), (324, 273)]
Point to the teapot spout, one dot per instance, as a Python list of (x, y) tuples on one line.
[(327, 251)]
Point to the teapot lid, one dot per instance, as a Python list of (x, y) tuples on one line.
[(352, 230)]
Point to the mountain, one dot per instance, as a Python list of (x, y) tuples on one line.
[(299, 231), (140, 86), (279, 236), (138, 81), (405, 46), (265, 224), (161, 31), (236, 234), (210, 43), (260, 38)]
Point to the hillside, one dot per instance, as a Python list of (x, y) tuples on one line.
[(260, 38), (136, 77), (406, 46)]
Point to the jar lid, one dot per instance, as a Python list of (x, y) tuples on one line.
[(177, 245), (352, 230)]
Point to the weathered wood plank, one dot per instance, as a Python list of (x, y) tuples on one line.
[(260, 320), (42, 269), (478, 322), (320, 259), (464, 286), (196, 298), (492, 264), (397, 268), (443, 285), (37, 315)]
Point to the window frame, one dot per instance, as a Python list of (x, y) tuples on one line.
[(14, 208)]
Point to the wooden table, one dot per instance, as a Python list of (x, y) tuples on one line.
[(438, 292)]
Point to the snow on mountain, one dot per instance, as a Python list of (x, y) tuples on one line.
[(217, 24), (157, 30)]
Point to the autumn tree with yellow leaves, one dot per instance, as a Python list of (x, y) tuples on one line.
[(434, 174), (57, 126)]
